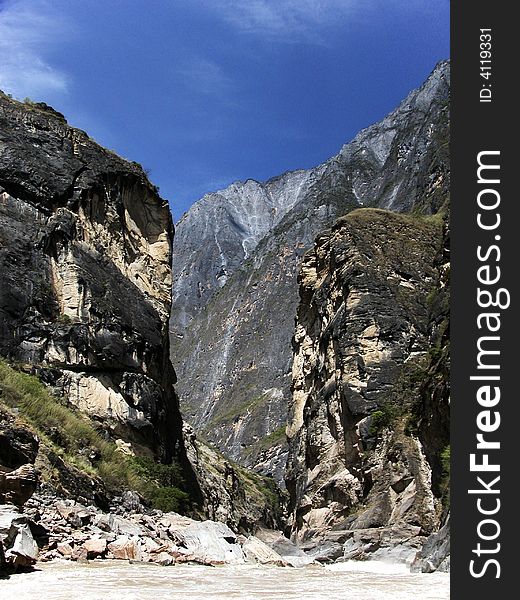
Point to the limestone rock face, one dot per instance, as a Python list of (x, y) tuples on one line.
[(85, 255), (236, 259), (369, 415)]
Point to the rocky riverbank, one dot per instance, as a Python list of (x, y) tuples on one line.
[(56, 529), (51, 528)]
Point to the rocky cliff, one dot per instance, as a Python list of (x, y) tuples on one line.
[(368, 425), (85, 264), (236, 259), (85, 255)]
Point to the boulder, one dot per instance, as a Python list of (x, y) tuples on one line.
[(95, 547), (324, 551), (288, 550), (65, 549), (77, 515), (118, 525), (124, 548), (163, 558), (396, 544), (19, 547), (257, 551), (211, 543), (22, 550)]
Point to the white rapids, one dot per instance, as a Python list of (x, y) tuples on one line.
[(113, 580)]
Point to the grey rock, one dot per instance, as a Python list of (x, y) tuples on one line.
[(259, 552), (395, 544), (324, 551), (287, 549)]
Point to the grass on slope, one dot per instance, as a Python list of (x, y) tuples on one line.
[(159, 484)]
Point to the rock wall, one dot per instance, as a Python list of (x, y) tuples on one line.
[(369, 416), (85, 255), (236, 260)]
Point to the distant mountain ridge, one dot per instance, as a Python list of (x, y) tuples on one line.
[(236, 257)]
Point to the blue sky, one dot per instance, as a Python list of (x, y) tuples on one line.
[(205, 92)]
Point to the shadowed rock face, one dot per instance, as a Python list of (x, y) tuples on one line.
[(236, 258), (85, 254), (369, 415)]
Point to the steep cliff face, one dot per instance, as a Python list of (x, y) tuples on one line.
[(368, 423), (236, 258), (85, 254)]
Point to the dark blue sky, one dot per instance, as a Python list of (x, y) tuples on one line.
[(204, 92)]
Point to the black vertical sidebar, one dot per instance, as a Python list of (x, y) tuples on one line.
[(484, 126)]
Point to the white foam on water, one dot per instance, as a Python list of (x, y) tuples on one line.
[(113, 580), (369, 566)]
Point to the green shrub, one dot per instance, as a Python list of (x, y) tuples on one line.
[(384, 417), (170, 499)]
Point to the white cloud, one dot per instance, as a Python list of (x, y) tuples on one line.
[(204, 76), (27, 31), (286, 20), (306, 21)]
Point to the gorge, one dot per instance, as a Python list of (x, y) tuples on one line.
[(267, 381)]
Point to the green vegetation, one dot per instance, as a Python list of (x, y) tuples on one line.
[(260, 489), (68, 433), (64, 319), (275, 437), (401, 404), (236, 411), (384, 417), (446, 461)]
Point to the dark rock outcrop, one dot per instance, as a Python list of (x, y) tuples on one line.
[(16, 487), (371, 356), (232, 494), (236, 259), (18, 444), (85, 255), (18, 482)]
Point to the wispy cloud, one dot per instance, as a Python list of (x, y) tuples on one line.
[(285, 20), (307, 21), (27, 31), (204, 77)]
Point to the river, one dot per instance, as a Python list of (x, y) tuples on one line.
[(115, 580)]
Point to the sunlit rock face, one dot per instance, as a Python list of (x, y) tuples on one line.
[(85, 261), (236, 258), (369, 414)]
